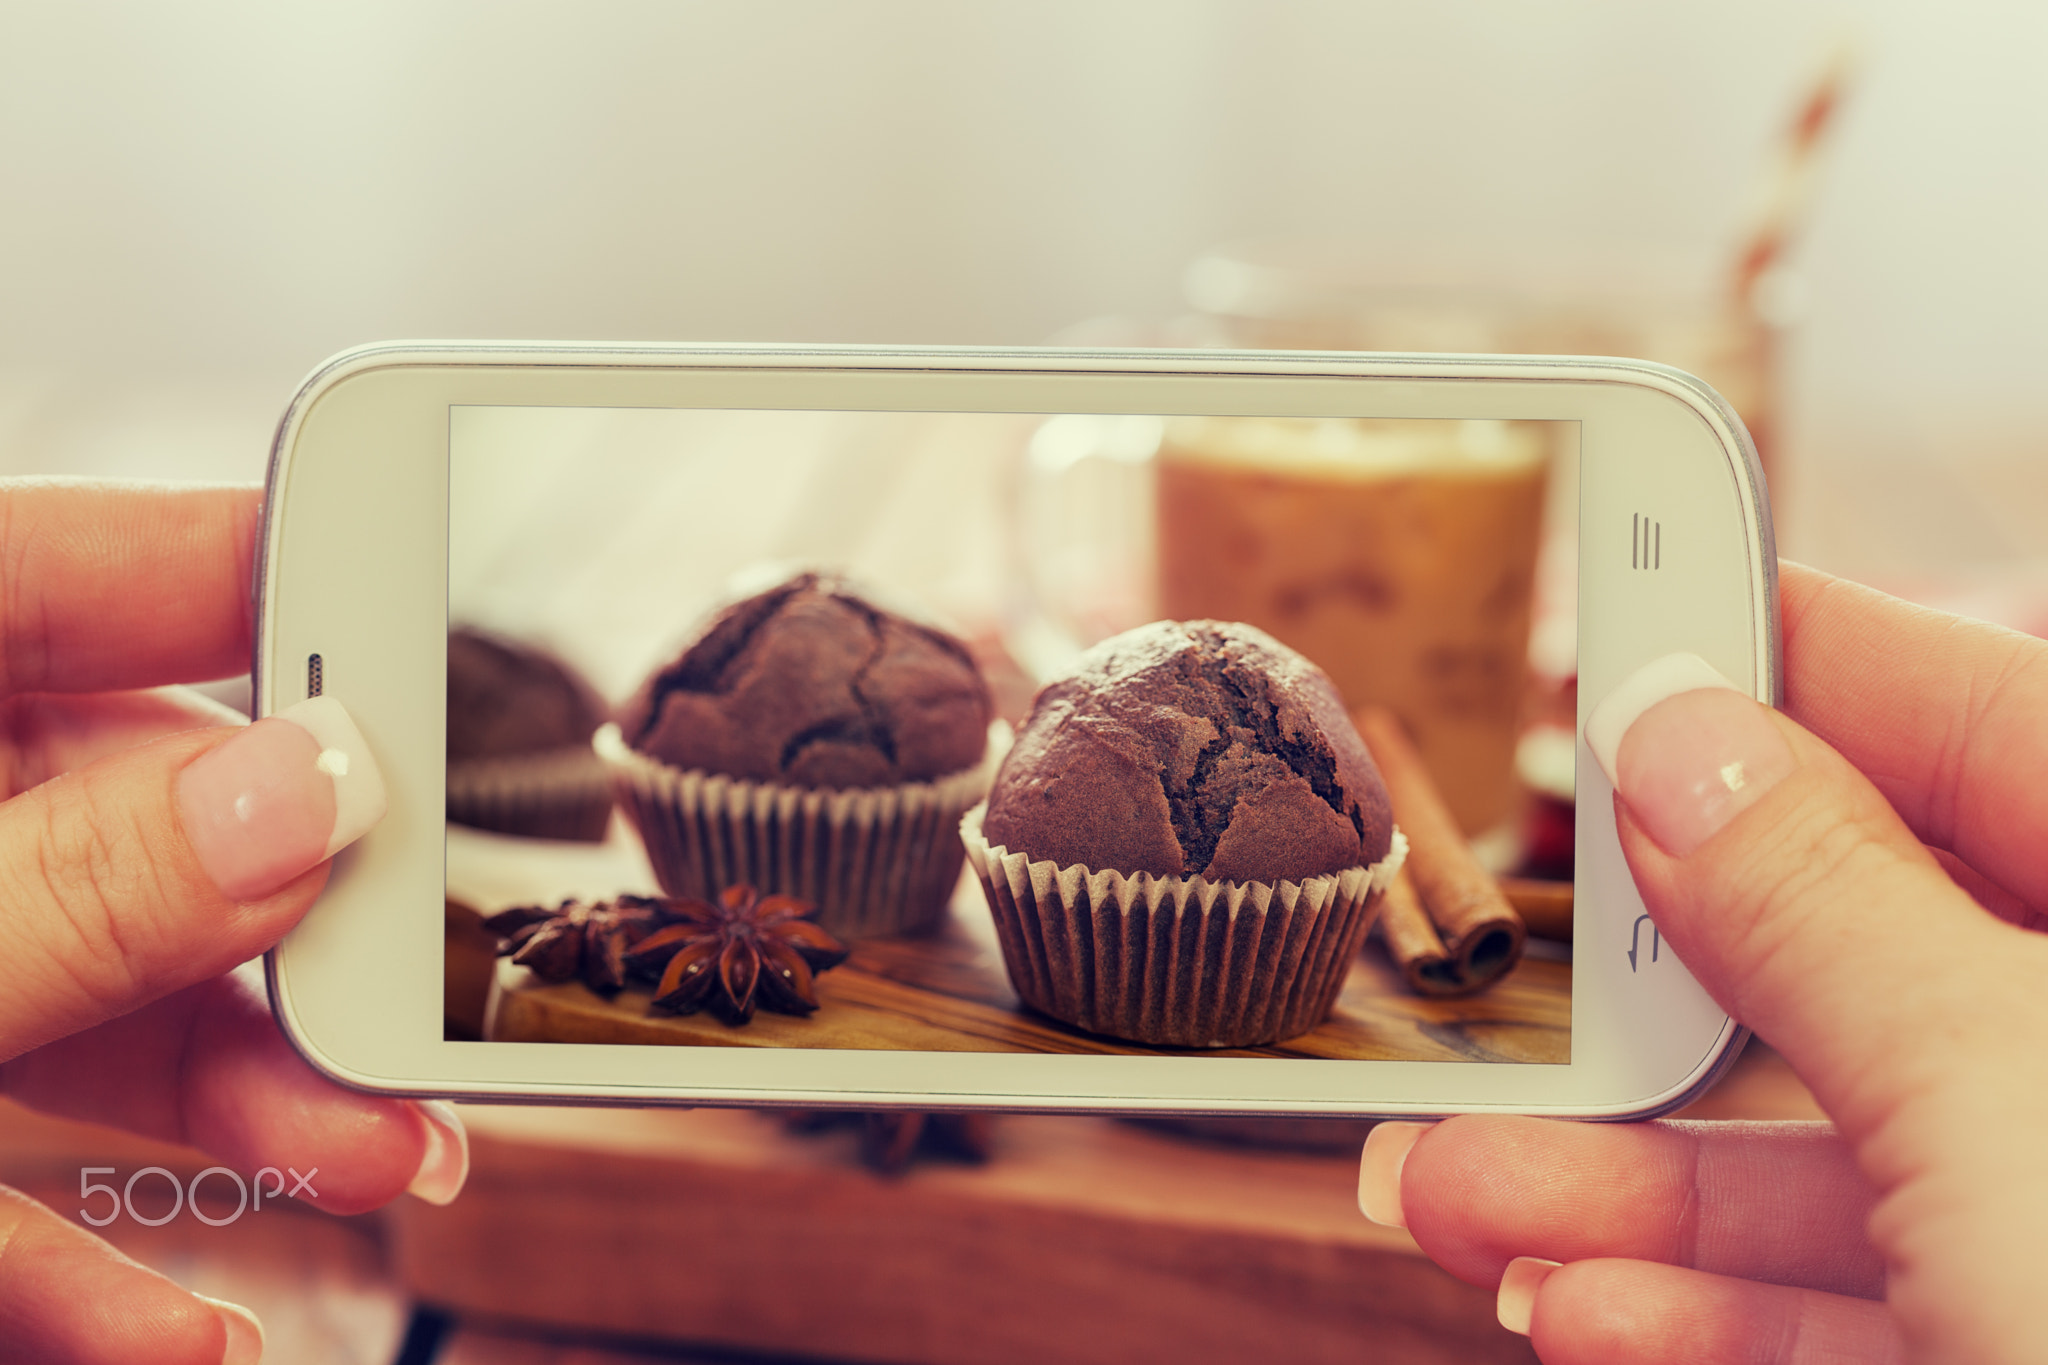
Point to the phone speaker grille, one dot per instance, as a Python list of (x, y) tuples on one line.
[(313, 677)]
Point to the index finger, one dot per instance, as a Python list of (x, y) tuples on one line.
[(1801, 901), (1945, 716), (110, 585)]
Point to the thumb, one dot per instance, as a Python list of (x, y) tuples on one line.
[(157, 867), (1801, 901)]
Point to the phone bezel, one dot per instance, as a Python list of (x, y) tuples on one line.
[(377, 418)]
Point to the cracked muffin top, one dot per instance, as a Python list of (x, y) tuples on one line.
[(811, 685), (1192, 747)]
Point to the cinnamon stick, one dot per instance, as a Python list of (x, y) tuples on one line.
[(1413, 942), (1479, 933)]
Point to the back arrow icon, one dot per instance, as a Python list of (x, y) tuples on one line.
[(1635, 930)]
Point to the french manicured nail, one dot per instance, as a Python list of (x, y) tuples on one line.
[(1686, 750), (1379, 1170), (446, 1164), (284, 794), (245, 1333), (1518, 1286)]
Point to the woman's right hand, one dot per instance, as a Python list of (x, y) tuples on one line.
[(1861, 879)]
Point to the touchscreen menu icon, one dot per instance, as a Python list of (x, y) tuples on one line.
[(1646, 549)]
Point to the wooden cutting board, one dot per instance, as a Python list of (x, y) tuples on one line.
[(949, 993)]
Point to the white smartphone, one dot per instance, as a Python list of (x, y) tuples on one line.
[(595, 503)]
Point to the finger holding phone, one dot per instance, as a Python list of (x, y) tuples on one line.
[(1859, 879), (150, 842)]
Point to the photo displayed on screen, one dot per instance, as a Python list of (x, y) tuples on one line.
[(998, 732)]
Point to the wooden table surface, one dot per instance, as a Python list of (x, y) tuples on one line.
[(1082, 1240), (587, 1235)]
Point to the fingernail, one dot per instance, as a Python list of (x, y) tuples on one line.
[(1685, 749), (284, 794), (446, 1164), (1379, 1170), (245, 1333), (1518, 1286)]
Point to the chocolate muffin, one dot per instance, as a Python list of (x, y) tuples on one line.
[(811, 685), (813, 743), (520, 723), (1188, 842), (508, 698), (1196, 748)]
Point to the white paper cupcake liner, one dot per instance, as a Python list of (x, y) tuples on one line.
[(553, 794), (1176, 961), (876, 860)]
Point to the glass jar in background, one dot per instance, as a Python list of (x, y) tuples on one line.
[(1301, 294), (1401, 556)]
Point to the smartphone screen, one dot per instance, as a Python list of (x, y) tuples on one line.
[(1427, 566)]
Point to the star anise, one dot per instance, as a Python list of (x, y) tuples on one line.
[(748, 950), (577, 940)]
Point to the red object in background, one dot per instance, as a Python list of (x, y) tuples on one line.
[(1547, 835), (1546, 759)]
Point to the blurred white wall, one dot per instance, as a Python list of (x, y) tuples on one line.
[(202, 200)]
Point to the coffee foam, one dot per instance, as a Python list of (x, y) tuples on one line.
[(1357, 448)]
